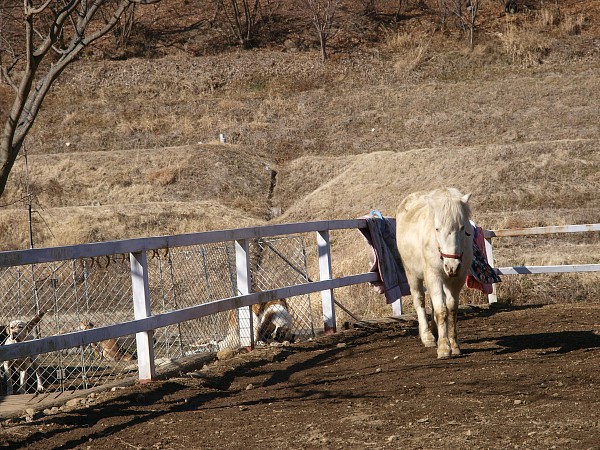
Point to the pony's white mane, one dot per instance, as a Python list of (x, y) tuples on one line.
[(448, 205)]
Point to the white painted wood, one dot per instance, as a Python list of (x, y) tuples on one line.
[(526, 270), (521, 270), (542, 230), (325, 273), (141, 309), (244, 286), (86, 337), (40, 255), (397, 308), (493, 297)]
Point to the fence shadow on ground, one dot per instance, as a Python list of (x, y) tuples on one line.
[(548, 343)]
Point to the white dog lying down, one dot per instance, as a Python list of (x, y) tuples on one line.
[(18, 331), (271, 320)]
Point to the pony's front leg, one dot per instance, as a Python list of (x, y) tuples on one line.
[(438, 304), (418, 294), (452, 296)]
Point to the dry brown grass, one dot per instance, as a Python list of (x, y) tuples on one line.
[(414, 112), (524, 46), (573, 25)]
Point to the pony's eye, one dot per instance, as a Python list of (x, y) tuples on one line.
[(468, 234)]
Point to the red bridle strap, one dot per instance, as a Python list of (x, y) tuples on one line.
[(451, 256)]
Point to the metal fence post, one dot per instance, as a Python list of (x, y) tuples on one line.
[(141, 310), (492, 298), (326, 274), (244, 318)]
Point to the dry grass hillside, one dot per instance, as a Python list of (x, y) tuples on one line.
[(129, 147)]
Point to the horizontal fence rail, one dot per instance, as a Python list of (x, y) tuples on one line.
[(529, 270), (78, 338), (541, 230), (93, 250)]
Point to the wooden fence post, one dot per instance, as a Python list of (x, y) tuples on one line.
[(397, 308), (141, 310), (492, 298), (244, 285), (325, 273)]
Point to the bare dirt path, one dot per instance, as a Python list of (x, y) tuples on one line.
[(528, 379)]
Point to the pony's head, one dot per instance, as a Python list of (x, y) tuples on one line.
[(453, 230)]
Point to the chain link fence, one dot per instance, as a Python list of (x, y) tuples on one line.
[(80, 294)]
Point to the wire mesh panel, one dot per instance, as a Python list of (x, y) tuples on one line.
[(61, 297), (188, 276), (68, 296), (279, 262)]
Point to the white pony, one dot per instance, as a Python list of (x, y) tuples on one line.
[(435, 241)]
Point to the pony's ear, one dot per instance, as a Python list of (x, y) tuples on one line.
[(465, 198)]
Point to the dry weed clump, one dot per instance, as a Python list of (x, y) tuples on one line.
[(548, 17), (567, 24), (409, 50), (573, 25), (164, 176), (524, 46)]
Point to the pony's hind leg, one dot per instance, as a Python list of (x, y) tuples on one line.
[(418, 295)]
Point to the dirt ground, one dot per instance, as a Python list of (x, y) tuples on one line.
[(528, 379)]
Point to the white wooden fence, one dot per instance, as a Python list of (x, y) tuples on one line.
[(525, 270), (145, 322)]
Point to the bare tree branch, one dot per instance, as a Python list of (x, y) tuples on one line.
[(35, 11), (323, 14), (74, 25)]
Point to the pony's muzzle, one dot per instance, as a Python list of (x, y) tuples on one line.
[(452, 267), (452, 263)]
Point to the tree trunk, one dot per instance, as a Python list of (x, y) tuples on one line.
[(323, 40)]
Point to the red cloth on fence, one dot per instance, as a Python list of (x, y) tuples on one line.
[(472, 282)]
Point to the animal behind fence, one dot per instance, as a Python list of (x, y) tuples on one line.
[(94, 292), (18, 331), (435, 241), (272, 321), (108, 349)]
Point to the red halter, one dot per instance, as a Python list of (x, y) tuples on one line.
[(451, 255)]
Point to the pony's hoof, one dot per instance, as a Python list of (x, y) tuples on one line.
[(428, 340), (456, 351), (429, 344), (443, 351), (444, 354)]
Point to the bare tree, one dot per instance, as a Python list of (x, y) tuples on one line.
[(466, 14), (470, 19), (322, 13), (242, 17), (52, 34)]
